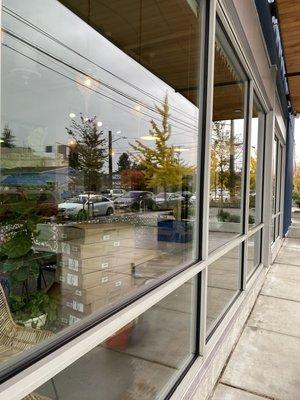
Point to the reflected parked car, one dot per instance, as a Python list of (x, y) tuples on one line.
[(193, 198), (86, 205), (168, 200), (136, 200), (42, 202), (113, 193)]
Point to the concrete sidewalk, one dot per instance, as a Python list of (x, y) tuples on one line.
[(266, 361)]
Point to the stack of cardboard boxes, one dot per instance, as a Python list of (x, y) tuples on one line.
[(96, 266)]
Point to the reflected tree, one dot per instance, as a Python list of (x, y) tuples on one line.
[(161, 164), (91, 151), (124, 162), (7, 138)]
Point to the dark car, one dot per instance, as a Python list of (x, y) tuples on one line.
[(167, 201), (17, 202), (136, 200)]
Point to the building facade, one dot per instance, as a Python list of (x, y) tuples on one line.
[(130, 263)]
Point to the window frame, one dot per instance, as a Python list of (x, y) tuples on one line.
[(34, 373)]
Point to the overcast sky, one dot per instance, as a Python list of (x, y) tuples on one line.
[(39, 100)]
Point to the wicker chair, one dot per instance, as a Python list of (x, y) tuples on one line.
[(35, 396), (14, 338)]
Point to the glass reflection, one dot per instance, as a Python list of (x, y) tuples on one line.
[(227, 146), (135, 357), (224, 283), (254, 252), (98, 154), (256, 164)]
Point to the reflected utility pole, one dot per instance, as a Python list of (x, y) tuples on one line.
[(110, 166), (110, 155)]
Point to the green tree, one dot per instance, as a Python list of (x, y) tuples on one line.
[(161, 165), (124, 162), (221, 155), (7, 138), (91, 150)]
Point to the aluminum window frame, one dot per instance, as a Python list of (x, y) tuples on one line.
[(20, 380), (36, 374)]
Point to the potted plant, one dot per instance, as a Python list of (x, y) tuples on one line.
[(33, 310), (20, 264)]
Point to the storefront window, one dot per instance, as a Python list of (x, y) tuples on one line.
[(254, 252), (276, 188), (224, 283), (227, 146), (98, 156), (256, 164), (139, 361)]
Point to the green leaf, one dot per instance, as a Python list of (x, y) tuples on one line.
[(17, 246), (19, 276)]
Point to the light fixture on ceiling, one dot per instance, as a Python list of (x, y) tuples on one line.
[(71, 143), (87, 82), (149, 137), (181, 149)]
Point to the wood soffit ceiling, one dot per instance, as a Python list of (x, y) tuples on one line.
[(289, 23), (162, 36)]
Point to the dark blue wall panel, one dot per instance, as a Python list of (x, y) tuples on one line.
[(287, 210)]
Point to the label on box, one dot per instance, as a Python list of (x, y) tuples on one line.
[(72, 280), (104, 265), (64, 320), (118, 283), (65, 248), (73, 320), (78, 292), (62, 278), (73, 264), (105, 237), (116, 244), (75, 305), (104, 279)]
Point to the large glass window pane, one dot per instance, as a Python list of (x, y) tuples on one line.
[(227, 144), (254, 252), (256, 164), (279, 178), (224, 283), (274, 174), (98, 155), (143, 358)]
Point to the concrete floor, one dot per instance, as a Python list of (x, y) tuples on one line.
[(266, 361)]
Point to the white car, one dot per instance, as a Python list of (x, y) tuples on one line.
[(113, 193), (86, 205)]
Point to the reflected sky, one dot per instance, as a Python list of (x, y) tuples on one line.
[(122, 95)]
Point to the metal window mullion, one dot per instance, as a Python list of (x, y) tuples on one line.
[(246, 178), (268, 187), (260, 166), (207, 99), (282, 192)]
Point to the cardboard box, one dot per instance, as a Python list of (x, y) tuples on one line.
[(113, 247), (109, 290), (70, 279), (88, 265)]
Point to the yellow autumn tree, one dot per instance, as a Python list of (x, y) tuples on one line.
[(161, 164), (296, 179), (253, 167)]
